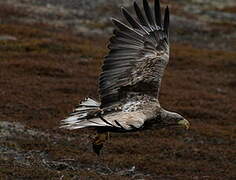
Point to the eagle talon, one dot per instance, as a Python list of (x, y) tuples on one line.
[(98, 141)]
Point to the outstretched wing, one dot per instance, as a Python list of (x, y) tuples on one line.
[(138, 55)]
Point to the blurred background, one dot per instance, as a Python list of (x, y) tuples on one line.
[(50, 57)]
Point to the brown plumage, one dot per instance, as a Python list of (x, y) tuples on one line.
[(131, 77)]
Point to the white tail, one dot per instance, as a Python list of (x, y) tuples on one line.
[(80, 116)]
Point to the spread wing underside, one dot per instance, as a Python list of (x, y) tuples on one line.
[(138, 55)]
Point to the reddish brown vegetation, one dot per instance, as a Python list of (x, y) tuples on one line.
[(231, 9), (44, 74)]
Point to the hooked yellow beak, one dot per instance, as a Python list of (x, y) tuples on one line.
[(184, 123)]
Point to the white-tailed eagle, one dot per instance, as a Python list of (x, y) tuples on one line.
[(131, 76)]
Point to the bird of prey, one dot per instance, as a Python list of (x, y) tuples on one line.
[(131, 77)]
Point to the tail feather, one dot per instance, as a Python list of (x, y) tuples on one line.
[(83, 124), (89, 102), (84, 115)]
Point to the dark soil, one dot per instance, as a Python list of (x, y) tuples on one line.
[(45, 70)]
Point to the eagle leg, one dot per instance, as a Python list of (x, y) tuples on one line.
[(99, 140)]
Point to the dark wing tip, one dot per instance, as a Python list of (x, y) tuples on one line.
[(122, 9), (158, 13), (116, 22), (131, 20), (136, 6), (148, 12), (113, 20), (140, 16), (125, 12), (166, 20)]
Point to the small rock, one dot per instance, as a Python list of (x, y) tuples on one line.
[(7, 37)]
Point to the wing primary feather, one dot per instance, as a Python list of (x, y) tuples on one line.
[(158, 13), (124, 27), (140, 16), (148, 13), (127, 36), (117, 65), (110, 58), (120, 39), (132, 21), (166, 21)]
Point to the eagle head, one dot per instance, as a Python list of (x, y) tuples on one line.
[(173, 119)]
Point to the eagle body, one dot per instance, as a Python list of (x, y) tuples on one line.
[(130, 81)]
